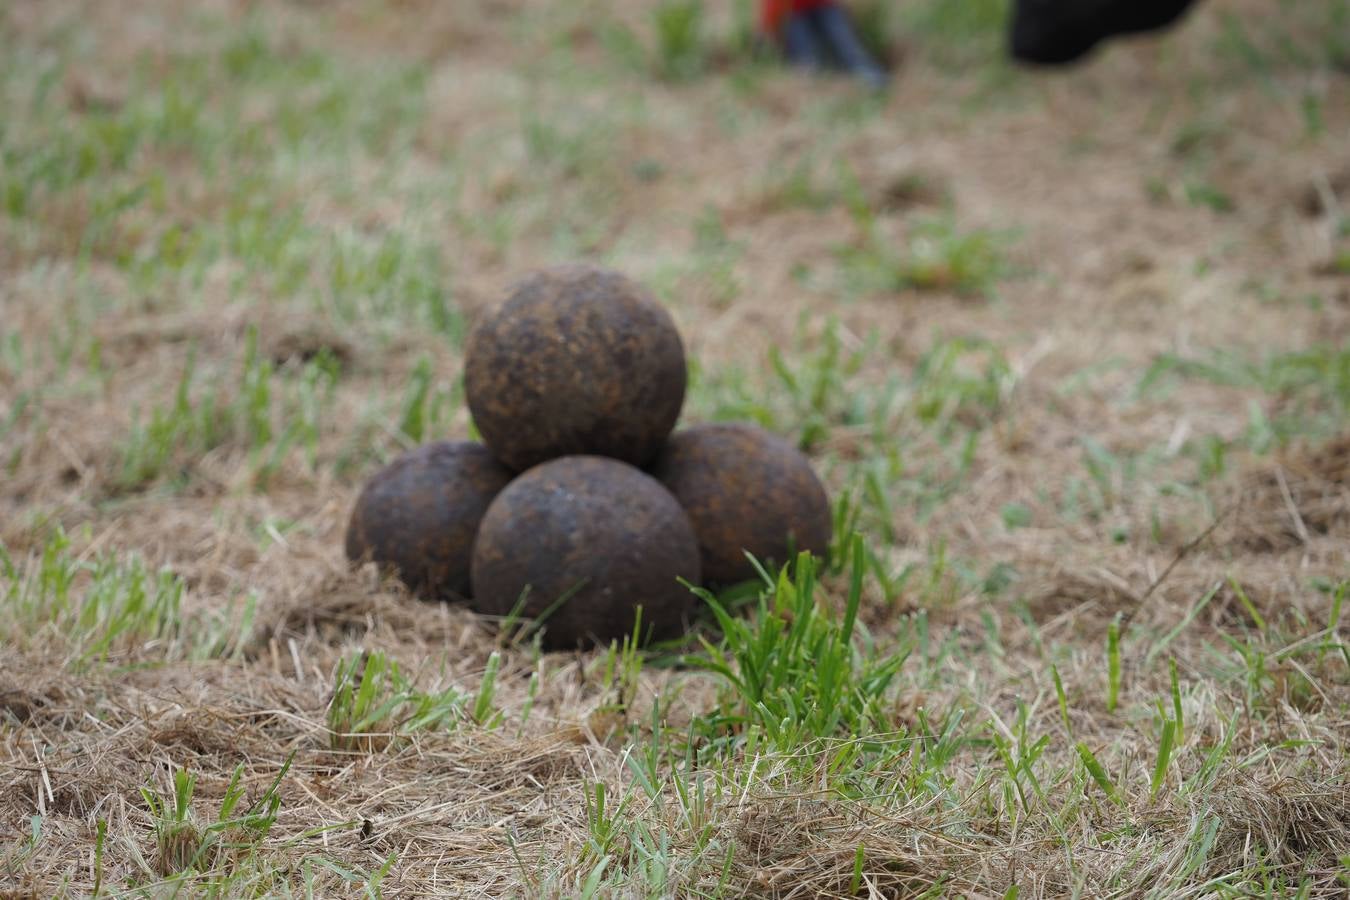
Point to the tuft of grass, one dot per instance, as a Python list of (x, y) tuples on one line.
[(622, 671), (794, 671), (1206, 194), (413, 425), (957, 37), (681, 50), (16, 855), (233, 851), (375, 705), (393, 274), (1164, 759), (797, 186), (178, 841), (183, 844), (484, 712), (914, 434)]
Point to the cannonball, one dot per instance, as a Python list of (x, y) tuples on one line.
[(745, 490), (418, 516), (586, 540), (578, 360)]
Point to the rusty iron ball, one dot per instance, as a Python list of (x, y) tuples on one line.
[(578, 360), (585, 540), (418, 516), (745, 489)]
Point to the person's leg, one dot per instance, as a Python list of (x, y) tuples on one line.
[(801, 44), (816, 33), (836, 32)]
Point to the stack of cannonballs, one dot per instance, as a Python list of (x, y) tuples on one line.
[(581, 506)]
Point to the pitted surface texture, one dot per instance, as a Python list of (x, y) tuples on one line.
[(745, 490), (418, 516), (598, 532), (578, 360)]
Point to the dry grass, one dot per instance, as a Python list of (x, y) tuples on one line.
[(1074, 344)]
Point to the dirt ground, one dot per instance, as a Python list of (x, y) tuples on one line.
[(1070, 349)]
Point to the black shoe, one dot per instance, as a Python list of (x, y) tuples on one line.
[(1058, 32)]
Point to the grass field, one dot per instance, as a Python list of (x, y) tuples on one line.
[(1071, 351)]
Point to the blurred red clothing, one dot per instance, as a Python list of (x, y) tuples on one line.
[(773, 12)]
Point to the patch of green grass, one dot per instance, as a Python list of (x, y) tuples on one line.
[(961, 381), (955, 36), (1197, 138), (715, 258), (712, 266), (197, 172), (1015, 515), (682, 42), (382, 427), (1305, 392), (269, 416), (370, 280), (814, 390), (831, 382), (621, 670), (565, 146), (418, 408), (1340, 263), (100, 609), (562, 190), (1308, 36), (370, 277), (961, 37), (795, 672), (681, 50), (196, 103), (935, 255)]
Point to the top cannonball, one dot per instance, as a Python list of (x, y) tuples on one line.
[(419, 515), (745, 490), (578, 360)]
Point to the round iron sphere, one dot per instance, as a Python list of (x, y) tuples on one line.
[(585, 540), (418, 516), (578, 360), (745, 489)]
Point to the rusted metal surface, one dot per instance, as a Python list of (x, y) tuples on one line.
[(597, 534), (578, 360), (419, 515), (745, 489)]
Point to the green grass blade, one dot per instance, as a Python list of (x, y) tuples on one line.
[(1113, 664), (1097, 771), (1164, 758)]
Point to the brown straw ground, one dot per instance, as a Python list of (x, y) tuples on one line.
[(1073, 343)]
